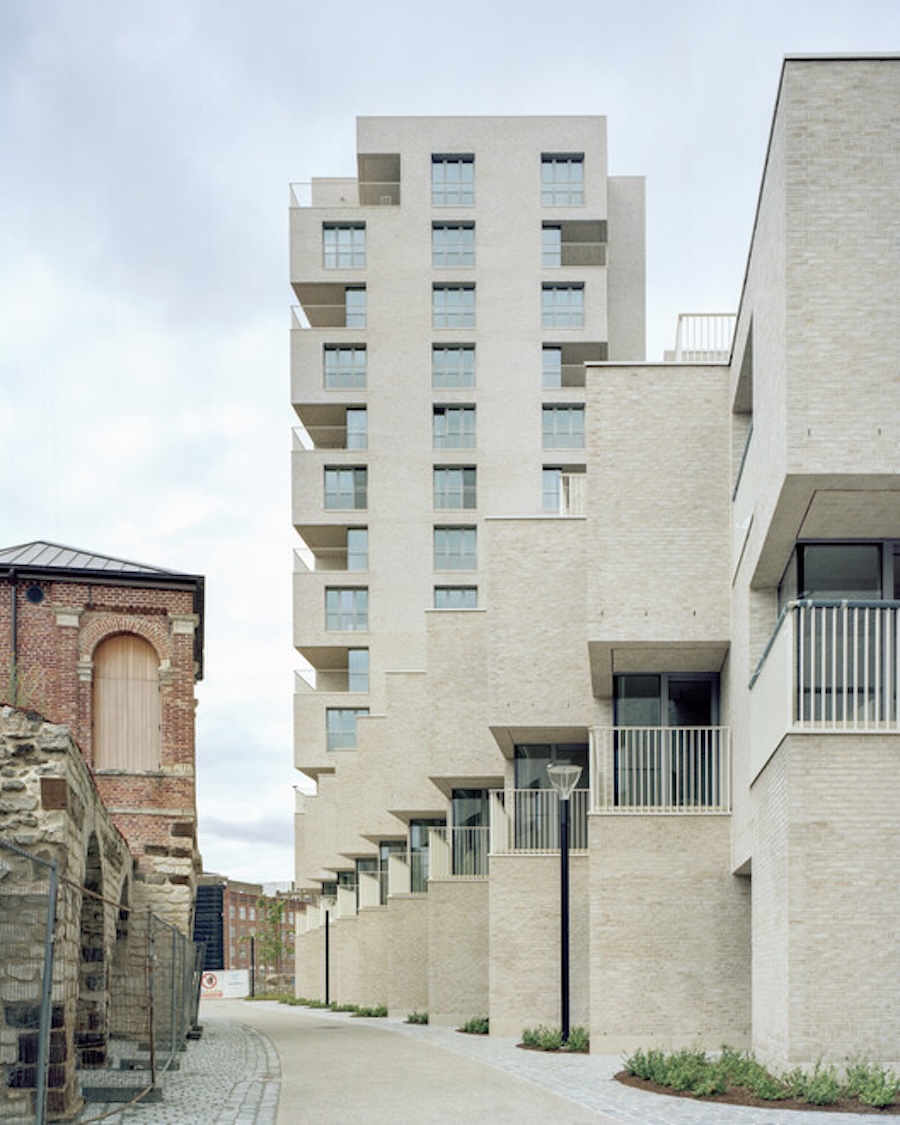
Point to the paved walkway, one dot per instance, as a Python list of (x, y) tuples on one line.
[(264, 1063)]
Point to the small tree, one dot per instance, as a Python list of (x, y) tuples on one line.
[(270, 945)]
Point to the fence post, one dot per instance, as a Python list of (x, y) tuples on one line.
[(46, 1016)]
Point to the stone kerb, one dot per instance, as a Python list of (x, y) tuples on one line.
[(49, 808)]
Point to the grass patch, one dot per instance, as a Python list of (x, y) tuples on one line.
[(479, 1025), (379, 1010), (417, 1017)]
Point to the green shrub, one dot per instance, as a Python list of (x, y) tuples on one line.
[(742, 1069), (542, 1038), (649, 1065), (872, 1084), (478, 1025), (579, 1040), (822, 1087), (417, 1017), (689, 1068), (378, 1011)]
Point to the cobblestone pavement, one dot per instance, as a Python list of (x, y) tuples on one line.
[(233, 1076)]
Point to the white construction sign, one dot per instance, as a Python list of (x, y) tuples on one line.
[(225, 984)]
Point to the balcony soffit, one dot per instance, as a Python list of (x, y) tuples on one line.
[(820, 506), (471, 781), (508, 737), (612, 658)]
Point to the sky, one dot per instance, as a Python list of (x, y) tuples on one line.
[(146, 150)]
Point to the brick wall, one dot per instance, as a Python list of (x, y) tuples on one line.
[(57, 638), (525, 942), (670, 934), (825, 903), (457, 951)]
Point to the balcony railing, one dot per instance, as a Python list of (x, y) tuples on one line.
[(460, 853), (662, 770), (527, 820), (703, 337), (831, 666)]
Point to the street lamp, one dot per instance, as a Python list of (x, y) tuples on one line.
[(564, 777)]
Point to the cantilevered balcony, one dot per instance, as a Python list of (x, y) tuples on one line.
[(661, 770), (830, 667)]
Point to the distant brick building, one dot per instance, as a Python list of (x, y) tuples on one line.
[(112, 650), (230, 912)]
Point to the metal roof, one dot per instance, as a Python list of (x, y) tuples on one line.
[(54, 556)]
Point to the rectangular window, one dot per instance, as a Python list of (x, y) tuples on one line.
[(455, 548), (454, 427), (453, 306), (347, 609), (355, 307), (453, 244), (562, 179), (346, 487), (551, 367), (562, 306), (453, 366), (357, 427), (358, 669), (453, 180), (454, 488), (456, 597), (551, 246), (343, 245), (357, 548), (341, 726), (563, 427), (345, 367), (550, 490)]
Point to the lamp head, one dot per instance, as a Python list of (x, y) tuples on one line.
[(563, 777)]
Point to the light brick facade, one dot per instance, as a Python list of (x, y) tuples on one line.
[(733, 871)]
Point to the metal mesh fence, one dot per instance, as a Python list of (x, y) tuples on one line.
[(96, 998)]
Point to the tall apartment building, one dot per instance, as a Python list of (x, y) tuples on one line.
[(523, 544)]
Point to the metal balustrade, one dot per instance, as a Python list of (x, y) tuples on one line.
[(847, 675), (527, 820), (662, 769), (458, 852)]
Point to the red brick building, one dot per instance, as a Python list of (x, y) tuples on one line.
[(113, 650), (230, 912)]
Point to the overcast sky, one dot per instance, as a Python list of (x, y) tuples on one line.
[(145, 154)]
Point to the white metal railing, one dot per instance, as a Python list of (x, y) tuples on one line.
[(458, 852), (704, 337), (847, 674), (527, 820), (662, 769)]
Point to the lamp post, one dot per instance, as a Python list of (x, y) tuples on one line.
[(564, 777)]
